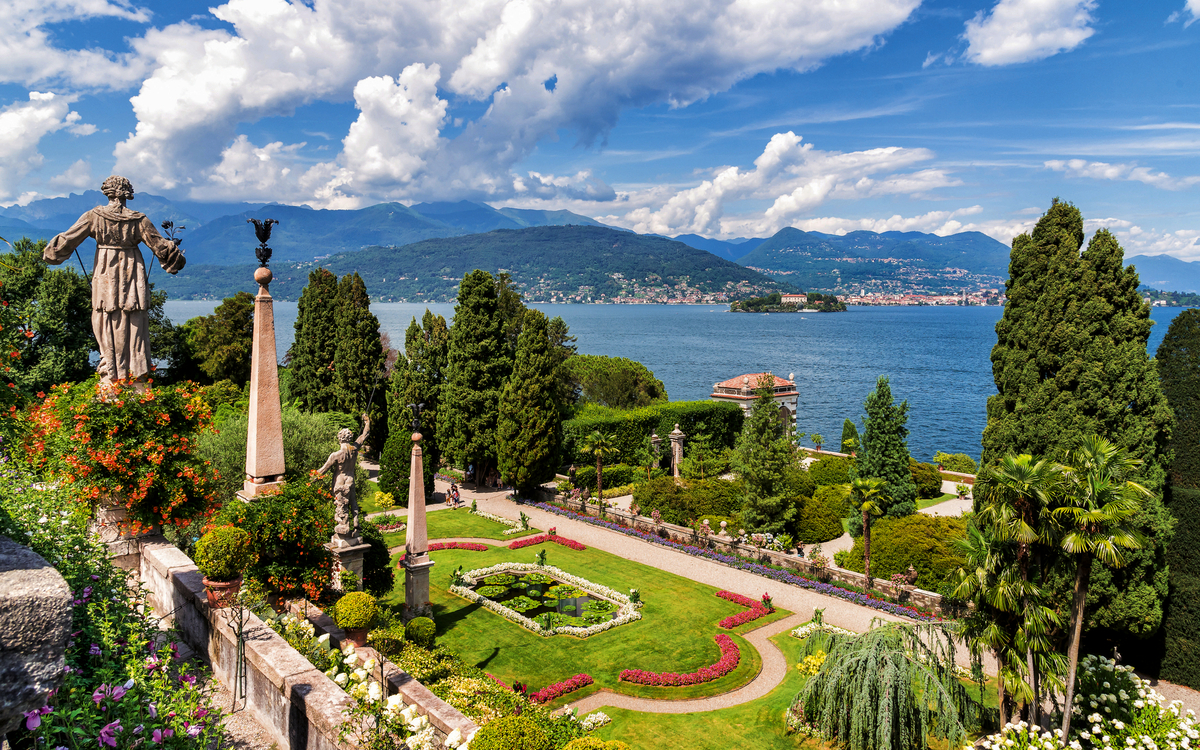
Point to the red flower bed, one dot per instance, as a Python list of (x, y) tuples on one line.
[(532, 540), (730, 655), (435, 546), (390, 525), (756, 610), (558, 689)]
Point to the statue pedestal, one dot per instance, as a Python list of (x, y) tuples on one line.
[(349, 557), (416, 587)]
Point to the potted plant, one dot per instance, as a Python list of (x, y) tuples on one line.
[(354, 614), (962, 490), (222, 555)]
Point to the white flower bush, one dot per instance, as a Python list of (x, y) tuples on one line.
[(627, 611), (516, 525), (423, 737), (594, 721), (809, 628), (1114, 709)]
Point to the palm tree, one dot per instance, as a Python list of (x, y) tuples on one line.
[(868, 494), (1015, 497), (1098, 507), (601, 447)]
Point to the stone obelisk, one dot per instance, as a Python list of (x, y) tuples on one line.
[(264, 435), (416, 541)]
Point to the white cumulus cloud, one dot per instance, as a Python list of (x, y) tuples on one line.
[(1098, 170), (22, 127), (1188, 14), (1017, 31)]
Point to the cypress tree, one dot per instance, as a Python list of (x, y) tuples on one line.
[(1070, 360), (358, 359), (850, 440), (562, 348), (529, 427), (477, 365), (1179, 368), (315, 347), (416, 379), (763, 455), (884, 450)]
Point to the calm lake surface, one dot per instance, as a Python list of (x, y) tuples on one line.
[(936, 357)]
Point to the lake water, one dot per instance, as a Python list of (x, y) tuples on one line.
[(936, 357)]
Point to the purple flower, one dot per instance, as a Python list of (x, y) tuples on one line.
[(162, 734), (138, 729), (195, 730), (33, 719), (95, 577), (153, 712), (95, 650), (108, 735), (188, 678)]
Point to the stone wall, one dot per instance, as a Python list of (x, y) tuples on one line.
[(295, 703), (925, 600)]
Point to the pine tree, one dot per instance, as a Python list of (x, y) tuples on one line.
[(358, 359), (223, 342), (315, 346), (884, 450), (477, 365), (529, 430), (763, 455), (1179, 367), (1070, 360), (850, 439)]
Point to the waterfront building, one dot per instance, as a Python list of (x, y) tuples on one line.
[(742, 391)]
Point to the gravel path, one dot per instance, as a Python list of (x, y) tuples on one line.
[(955, 507), (774, 669)]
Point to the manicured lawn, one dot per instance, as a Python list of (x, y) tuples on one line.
[(460, 522), (927, 502), (367, 503), (676, 632), (756, 726)]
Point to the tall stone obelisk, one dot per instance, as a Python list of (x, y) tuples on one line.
[(416, 541), (264, 435)]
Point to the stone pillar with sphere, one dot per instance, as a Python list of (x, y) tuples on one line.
[(676, 437), (264, 432), (416, 562)]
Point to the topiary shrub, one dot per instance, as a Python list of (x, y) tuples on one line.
[(820, 517), (959, 462), (691, 499), (830, 470), (388, 641), (511, 733), (421, 631), (614, 476), (224, 553), (355, 610), (927, 478), (924, 542)]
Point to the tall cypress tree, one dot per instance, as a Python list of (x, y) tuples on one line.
[(1070, 360), (478, 363), (529, 429), (416, 379), (315, 346), (884, 450), (358, 359), (850, 439), (1179, 367), (763, 455)]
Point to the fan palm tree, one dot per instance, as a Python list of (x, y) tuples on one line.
[(1099, 505), (868, 496), (1014, 498), (599, 446)]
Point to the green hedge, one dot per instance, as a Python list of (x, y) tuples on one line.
[(629, 429), (614, 476), (830, 470), (691, 499), (820, 517), (511, 733), (960, 462), (924, 542), (927, 478)]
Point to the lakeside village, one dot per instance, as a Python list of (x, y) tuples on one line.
[(481, 538)]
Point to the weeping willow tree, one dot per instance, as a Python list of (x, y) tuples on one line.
[(890, 688)]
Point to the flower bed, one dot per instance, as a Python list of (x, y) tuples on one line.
[(747, 565), (627, 610), (435, 546), (391, 525), (530, 541), (730, 656), (755, 611), (559, 689), (516, 526)]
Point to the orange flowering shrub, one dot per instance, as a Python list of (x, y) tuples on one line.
[(117, 446)]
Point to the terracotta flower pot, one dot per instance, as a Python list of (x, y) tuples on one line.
[(357, 636), (222, 593)]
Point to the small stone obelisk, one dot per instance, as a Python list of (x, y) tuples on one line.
[(416, 541), (264, 435)]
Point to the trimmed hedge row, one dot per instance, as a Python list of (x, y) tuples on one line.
[(690, 499), (629, 429), (924, 542)]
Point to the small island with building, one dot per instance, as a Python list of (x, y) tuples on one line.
[(785, 302)]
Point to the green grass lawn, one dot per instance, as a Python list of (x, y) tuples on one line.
[(367, 503), (676, 632), (927, 502), (459, 522)]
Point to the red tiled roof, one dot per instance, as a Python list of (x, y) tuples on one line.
[(754, 381)]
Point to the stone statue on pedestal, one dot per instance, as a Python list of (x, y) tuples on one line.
[(120, 292), (343, 462)]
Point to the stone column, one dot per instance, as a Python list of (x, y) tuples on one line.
[(676, 437), (416, 541), (264, 435)]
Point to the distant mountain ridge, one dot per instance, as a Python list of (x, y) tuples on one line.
[(1166, 273)]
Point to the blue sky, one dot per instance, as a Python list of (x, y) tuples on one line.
[(719, 117)]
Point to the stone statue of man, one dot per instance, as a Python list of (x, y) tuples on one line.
[(345, 503), (120, 294)]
